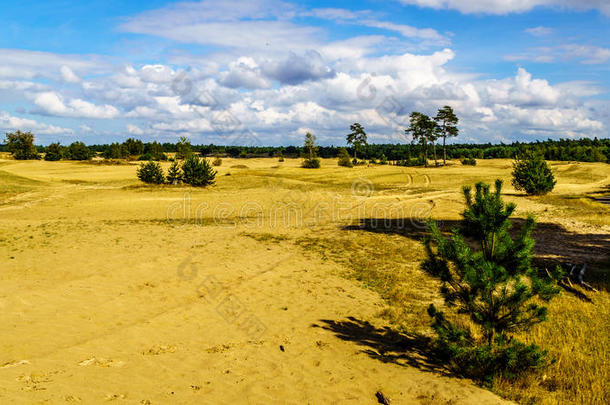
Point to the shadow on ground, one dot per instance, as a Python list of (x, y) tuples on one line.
[(554, 244), (387, 345)]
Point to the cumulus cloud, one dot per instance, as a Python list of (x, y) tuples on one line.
[(296, 69), (51, 103), (244, 72), (270, 76)]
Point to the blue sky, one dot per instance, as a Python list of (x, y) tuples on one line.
[(241, 72)]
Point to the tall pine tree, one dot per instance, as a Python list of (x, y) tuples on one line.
[(488, 278)]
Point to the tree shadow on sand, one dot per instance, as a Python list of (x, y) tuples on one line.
[(555, 245), (388, 345)]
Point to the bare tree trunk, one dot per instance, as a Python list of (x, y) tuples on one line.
[(444, 152), (425, 153), (434, 147)]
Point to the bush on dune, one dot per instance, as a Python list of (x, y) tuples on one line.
[(198, 172), (533, 175), (494, 289), (151, 172)]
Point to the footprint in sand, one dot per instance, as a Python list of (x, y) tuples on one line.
[(112, 397), (101, 362), (14, 363), (33, 381), (156, 350)]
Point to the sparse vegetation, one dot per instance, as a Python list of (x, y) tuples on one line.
[(174, 173), (423, 130), (344, 159), (310, 152), (151, 172), (53, 152), (356, 138), (386, 286), (446, 124), (198, 172), (183, 148), (469, 162), (533, 175), (21, 145), (494, 287), (78, 151)]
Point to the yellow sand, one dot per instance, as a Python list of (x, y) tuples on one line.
[(103, 299)]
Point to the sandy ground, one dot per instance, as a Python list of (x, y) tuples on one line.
[(103, 299)]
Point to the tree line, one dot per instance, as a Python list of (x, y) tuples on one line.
[(21, 144)]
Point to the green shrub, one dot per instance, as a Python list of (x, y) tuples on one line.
[(344, 159), (493, 288), (21, 145), (217, 161), (383, 160), (53, 152), (151, 172), (469, 161), (115, 151), (174, 173), (532, 174), (198, 172), (183, 148), (313, 163), (78, 151)]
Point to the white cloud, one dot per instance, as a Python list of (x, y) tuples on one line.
[(24, 64), (585, 54), (588, 54), (275, 89), (244, 72), (509, 6), (53, 104), (12, 123), (539, 31), (408, 31), (133, 129), (68, 75)]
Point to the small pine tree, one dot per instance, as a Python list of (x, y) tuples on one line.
[(174, 173), (532, 174), (151, 172), (344, 159), (383, 160), (217, 161), (183, 148), (198, 172), (494, 289), (280, 156), (469, 162), (53, 152), (310, 152)]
